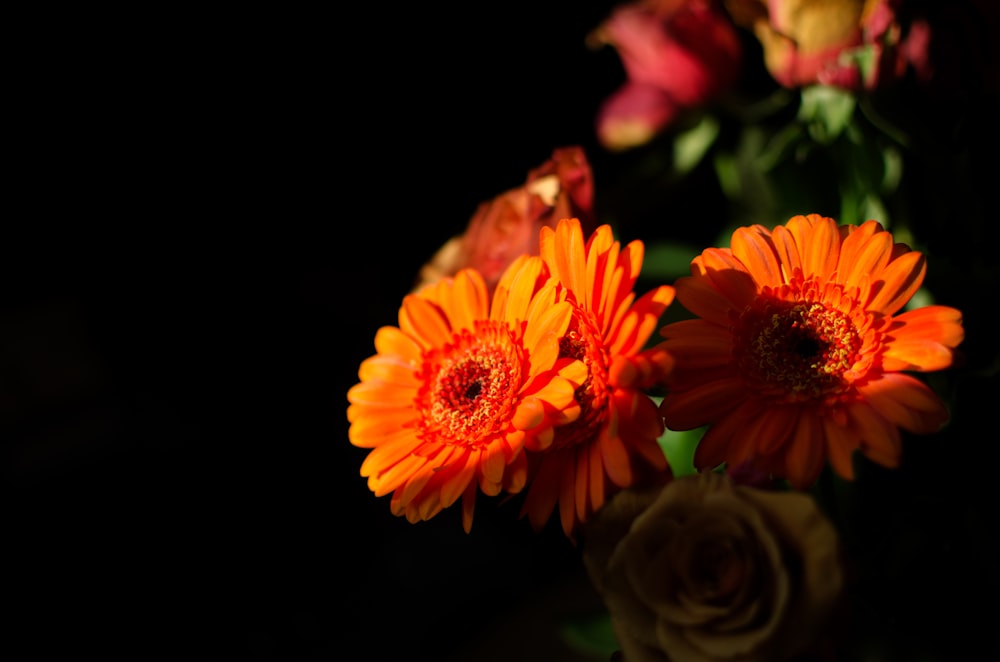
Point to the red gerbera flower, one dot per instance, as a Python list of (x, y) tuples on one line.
[(798, 351), (613, 442)]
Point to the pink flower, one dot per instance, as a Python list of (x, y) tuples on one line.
[(677, 54), (508, 225)]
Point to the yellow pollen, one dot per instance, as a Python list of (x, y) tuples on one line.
[(795, 350), (470, 386)]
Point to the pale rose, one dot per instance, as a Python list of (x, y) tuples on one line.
[(706, 570), (508, 225)]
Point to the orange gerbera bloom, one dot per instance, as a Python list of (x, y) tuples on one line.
[(797, 356), (454, 392), (613, 443)]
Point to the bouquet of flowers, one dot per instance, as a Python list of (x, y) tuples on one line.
[(704, 423)]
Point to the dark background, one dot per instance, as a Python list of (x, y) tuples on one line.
[(214, 213), (212, 216)]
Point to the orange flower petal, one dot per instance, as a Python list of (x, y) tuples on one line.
[(461, 481), (386, 430), (615, 458), (726, 441), (907, 402), (390, 341), (529, 414), (923, 339), (818, 242), (380, 394), (642, 321), (422, 320), (544, 490), (880, 441), (697, 344), (804, 454), (700, 297), (467, 300), (516, 289), (900, 281), (388, 369), (703, 404), (859, 259), (756, 251), (491, 464), (730, 276), (841, 442)]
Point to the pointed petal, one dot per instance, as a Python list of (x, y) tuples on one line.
[(818, 242), (900, 280), (703, 404), (701, 298), (923, 339), (804, 454), (880, 440), (544, 490), (752, 246), (388, 368), (424, 321), (841, 442), (860, 245), (907, 402), (724, 442), (391, 341), (615, 458), (729, 276)]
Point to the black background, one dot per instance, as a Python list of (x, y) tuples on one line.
[(211, 215)]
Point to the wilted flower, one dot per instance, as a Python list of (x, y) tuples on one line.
[(455, 391), (677, 54), (702, 570), (797, 352), (852, 44), (507, 226), (613, 442)]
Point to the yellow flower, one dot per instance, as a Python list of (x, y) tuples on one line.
[(455, 391), (703, 570), (798, 351), (613, 443)]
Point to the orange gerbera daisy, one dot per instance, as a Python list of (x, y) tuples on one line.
[(454, 392), (797, 354), (613, 443)]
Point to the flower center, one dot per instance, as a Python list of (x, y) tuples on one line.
[(797, 350), (470, 385), (583, 342)]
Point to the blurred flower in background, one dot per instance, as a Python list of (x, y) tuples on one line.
[(705, 569), (677, 54), (503, 228), (851, 44)]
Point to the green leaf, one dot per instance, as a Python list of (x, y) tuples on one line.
[(668, 261), (591, 635), (865, 59), (679, 447), (826, 110), (691, 146)]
